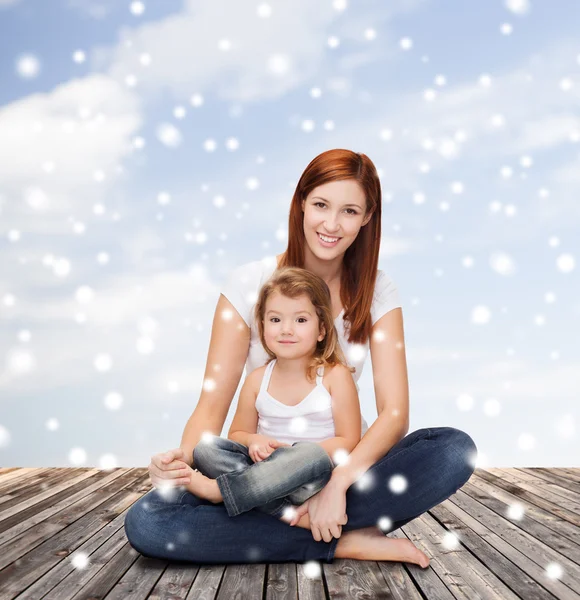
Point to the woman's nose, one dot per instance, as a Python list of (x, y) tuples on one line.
[(331, 225)]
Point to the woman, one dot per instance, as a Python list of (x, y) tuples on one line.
[(390, 477)]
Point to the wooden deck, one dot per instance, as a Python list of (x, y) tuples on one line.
[(51, 518)]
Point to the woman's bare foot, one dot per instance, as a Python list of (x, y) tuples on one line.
[(371, 543), (204, 487)]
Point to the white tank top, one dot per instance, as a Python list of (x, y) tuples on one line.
[(308, 421)]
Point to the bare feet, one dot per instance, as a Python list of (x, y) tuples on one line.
[(371, 543), (204, 487)]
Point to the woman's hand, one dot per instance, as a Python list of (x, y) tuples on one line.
[(169, 469), (261, 446), (326, 510)]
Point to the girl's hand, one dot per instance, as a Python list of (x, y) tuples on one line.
[(262, 446), (327, 512), (169, 469)]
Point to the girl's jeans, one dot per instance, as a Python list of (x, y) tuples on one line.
[(289, 476), (434, 463)]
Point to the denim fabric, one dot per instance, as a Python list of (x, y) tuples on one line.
[(435, 462), (289, 476)]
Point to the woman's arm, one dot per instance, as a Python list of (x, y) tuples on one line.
[(245, 423), (391, 384), (227, 354), (345, 411)]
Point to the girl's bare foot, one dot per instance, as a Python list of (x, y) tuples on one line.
[(204, 487), (371, 543)]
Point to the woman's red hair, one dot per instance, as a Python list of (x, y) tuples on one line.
[(360, 263)]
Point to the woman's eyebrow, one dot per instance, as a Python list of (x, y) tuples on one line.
[(350, 204)]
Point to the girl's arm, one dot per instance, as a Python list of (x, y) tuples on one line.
[(345, 411), (391, 384), (245, 423), (228, 350)]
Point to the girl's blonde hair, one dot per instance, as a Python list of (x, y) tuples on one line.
[(293, 282)]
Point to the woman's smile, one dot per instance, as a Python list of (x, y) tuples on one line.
[(327, 241)]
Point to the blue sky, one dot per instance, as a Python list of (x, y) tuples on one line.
[(136, 175)]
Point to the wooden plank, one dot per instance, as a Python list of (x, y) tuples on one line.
[(282, 581), (534, 549), (66, 531), (399, 581), (347, 578), (207, 582), (19, 526), (511, 573), (135, 583), (552, 492), (15, 477), (243, 582), (534, 570), (310, 588), (100, 551), (13, 473), (34, 493), (541, 524), (461, 571), (568, 473), (174, 583), (427, 580), (568, 482), (520, 494), (27, 486)]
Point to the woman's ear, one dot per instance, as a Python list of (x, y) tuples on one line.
[(367, 219)]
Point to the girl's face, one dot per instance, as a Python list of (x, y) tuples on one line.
[(335, 210), (291, 326)]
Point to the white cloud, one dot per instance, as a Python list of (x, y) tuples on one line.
[(61, 142), (241, 57), (546, 132), (186, 57), (64, 350)]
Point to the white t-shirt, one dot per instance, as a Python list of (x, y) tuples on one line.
[(242, 289)]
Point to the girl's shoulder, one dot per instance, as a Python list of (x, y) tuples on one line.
[(335, 375), (254, 379)]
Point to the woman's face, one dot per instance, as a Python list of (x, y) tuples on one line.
[(291, 326), (333, 215)]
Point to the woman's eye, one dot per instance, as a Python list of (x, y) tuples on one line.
[(350, 211)]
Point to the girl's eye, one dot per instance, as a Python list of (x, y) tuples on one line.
[(276, 319)]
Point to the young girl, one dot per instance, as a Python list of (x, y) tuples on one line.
[(286, 436)]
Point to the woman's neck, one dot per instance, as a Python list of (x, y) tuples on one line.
[(329, 270)]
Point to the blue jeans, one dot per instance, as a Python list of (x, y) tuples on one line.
[(435, 462), (289, 476)]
